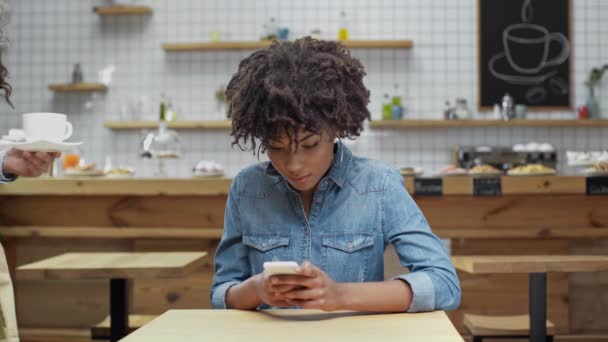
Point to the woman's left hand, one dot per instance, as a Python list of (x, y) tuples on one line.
[(314, 289)]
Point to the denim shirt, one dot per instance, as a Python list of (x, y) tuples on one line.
[(359, 208)]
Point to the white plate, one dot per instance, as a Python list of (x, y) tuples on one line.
[(208, 174), (78, 173), (41, 146), (120, 175), (551, 173)]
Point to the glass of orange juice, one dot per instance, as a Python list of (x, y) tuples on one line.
[(71, 160)]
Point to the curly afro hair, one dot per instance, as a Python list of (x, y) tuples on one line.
[(4, 86), (311, 84)]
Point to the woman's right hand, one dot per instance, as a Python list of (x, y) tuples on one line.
[(271, 294)]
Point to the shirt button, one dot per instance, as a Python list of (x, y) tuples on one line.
[(264, 244), (349, 245), (319, 199)]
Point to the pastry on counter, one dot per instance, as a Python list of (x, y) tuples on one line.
[(598, 169), (84, 170), (120, 172), (452, 170), (411, 171), (206, 168), (531, 169), (484, 169)]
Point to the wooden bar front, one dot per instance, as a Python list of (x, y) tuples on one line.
[(43, 218)]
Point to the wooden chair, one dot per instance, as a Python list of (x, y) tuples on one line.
[(500, 327)]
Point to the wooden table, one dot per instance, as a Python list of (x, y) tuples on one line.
[(295, 326), (118, 268), (537, 267)]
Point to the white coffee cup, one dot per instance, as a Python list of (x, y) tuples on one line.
[(46, 126)]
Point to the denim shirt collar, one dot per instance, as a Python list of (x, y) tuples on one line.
[(337, 172)]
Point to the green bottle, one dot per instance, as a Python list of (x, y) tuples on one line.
[(163, 110), (387, 108)]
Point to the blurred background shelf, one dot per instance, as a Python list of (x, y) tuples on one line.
[(122, 10), (254, 45), (205, 124), (408, 124), (78, 87)]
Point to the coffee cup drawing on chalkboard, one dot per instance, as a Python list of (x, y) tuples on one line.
[(526, 60), (532, 41)]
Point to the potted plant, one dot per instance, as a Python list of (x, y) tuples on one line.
[(595, 76)]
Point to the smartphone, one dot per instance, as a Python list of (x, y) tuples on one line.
[(280, 267)]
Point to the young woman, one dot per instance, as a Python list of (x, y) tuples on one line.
[(14, 163), (315, 202)]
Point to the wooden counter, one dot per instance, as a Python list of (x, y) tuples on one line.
[(109, 186), (534, 215), (454, 185)]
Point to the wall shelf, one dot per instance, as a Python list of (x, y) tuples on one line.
[(208, 124), (380, 124), (78, 87), (122, 10), (254, 45), (409, 124)]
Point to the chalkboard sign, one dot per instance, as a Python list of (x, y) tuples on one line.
[(597, 185), (428, 187), (487, 186), (525, 50)]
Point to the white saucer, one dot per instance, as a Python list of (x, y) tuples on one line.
[(41, 145), (499, 67), (208, 174)]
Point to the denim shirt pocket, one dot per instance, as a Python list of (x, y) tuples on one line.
[(345, 255), (265, 247)]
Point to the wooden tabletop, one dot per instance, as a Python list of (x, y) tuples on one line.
[(531, 263), (114, 266), (295, 326)]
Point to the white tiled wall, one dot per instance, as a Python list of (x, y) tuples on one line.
[(48, 36)]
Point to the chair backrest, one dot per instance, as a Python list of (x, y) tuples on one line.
[(8, 317)]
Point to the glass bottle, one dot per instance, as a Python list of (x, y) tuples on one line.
[(77, 76), (462, 110), (387, 108), (270, 29), (343, 30), (593, 106)]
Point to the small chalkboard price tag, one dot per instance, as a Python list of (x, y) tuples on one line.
[(487, 186), (597, 186), (428, 187)]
